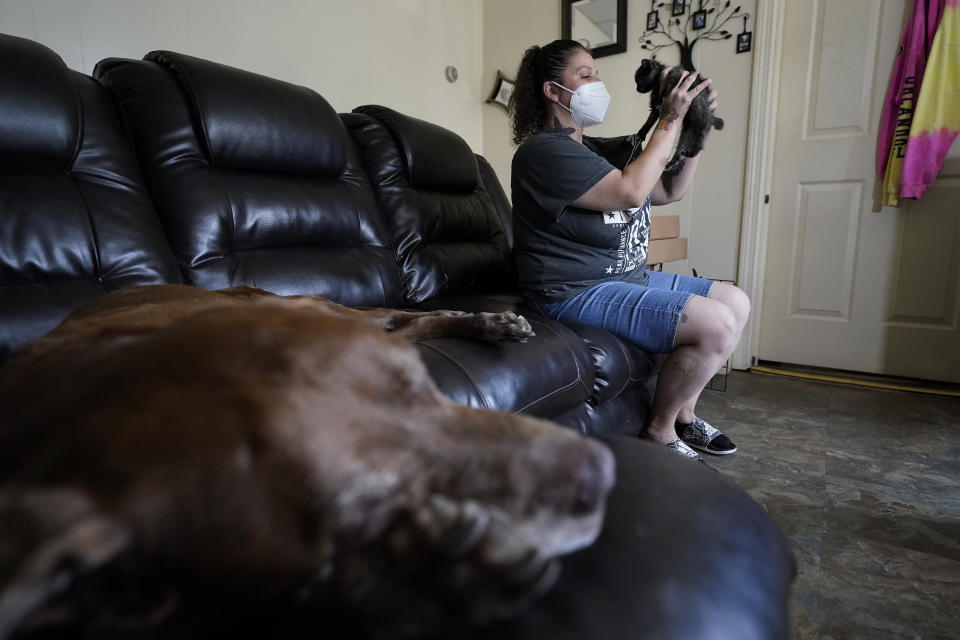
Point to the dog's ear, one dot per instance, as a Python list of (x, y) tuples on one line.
[(49, 538), (646, 75)]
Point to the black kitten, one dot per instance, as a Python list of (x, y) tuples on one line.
[(696, 124)]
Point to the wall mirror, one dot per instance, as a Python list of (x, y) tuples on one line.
[(599, 25)]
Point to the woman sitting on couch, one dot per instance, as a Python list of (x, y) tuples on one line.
[(582, 228)]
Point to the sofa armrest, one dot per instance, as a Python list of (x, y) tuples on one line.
[(684, 553)]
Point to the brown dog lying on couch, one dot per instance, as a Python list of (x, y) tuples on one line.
[(175, 461)]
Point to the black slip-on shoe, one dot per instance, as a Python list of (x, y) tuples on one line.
[(700, 435)]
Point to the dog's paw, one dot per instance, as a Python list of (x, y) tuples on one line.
[(503, 325)]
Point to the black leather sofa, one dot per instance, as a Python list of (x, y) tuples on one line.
[(174, 169)]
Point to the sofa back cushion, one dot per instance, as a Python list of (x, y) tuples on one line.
[(255, 179), (75, 219), (449, 233)]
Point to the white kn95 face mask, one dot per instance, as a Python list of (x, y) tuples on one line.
[(588, 104)]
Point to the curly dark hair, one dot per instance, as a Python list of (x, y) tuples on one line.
[(527, 106)]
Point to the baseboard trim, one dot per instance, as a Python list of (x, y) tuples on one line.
[(853, 381)]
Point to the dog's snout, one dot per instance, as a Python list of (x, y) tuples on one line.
[(595, 479)]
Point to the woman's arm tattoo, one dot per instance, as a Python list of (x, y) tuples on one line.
[(667, 117)]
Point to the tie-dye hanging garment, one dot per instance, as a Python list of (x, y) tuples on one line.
[(898, 111), (936, 118)]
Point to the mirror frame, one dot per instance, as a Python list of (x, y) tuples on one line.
[(620, 46)]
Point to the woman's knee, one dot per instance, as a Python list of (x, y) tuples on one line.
[(740, 306), (734, 298), (724, 328), (712, 325)]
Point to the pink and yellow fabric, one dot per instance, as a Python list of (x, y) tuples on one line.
[(905, 85), (936, 117)]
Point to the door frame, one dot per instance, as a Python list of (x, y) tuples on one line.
[(761, 132)]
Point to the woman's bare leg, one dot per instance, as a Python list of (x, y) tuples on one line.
[(739, 304), (706, 336)]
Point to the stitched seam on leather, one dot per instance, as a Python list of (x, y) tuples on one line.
[(473, 383), (232, 250), (278, 247), (626, 357), (184, 82), (93, 231), (117, 101), (357, 216), (81, 122), (178, 72), (578, 379), (233, 223), (49, 281), (545, 396), (406, 290), (361, 169), (576, 362), (383, 291)]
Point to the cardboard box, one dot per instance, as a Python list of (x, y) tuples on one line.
[(665, 241), (667, 250), (662, 227)]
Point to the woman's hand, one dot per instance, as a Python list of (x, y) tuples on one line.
[(677, 102), (681, 181)]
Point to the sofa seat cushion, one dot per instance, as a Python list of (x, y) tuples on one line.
[(558, 372), (550, 374), (625, 415)]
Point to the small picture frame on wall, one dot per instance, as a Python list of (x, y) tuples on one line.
[(678, 7), (699, 19), (502, 91), (744, 40), (652, 20)]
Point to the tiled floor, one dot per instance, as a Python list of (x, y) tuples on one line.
[(866, 486)]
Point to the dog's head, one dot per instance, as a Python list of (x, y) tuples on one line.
[(647, 75), (268, 456)]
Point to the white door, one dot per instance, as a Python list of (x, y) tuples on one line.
[(846, 287)]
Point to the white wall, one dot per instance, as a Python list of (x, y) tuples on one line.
[(353, 52), (510, 26), (710, 212)]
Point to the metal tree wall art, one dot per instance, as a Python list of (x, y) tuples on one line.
[(679, 25)]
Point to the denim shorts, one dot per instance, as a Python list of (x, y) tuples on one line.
[(647, 315)]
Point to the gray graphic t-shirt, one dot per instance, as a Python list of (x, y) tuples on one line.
[(562, 249)]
